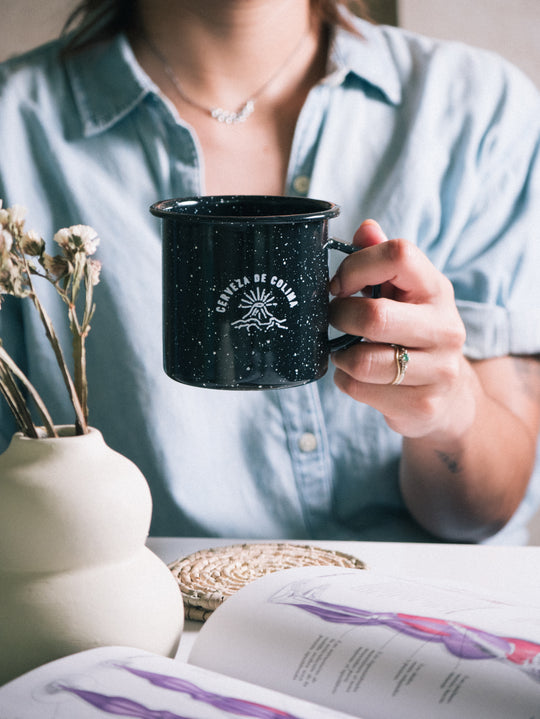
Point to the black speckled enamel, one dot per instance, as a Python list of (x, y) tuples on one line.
[(245, 293)]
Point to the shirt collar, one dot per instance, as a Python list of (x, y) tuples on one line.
[(368, 58), (108, 82)]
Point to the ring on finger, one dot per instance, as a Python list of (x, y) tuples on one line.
[(401, 357)]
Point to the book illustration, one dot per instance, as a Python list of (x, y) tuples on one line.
[(312, 642), (463, 641), (124, 706)]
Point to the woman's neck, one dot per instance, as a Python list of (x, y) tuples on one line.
[(224, 51), (221, 53)]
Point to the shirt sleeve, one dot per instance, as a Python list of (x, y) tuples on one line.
[(495, 262)]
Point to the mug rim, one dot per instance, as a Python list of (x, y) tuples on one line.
[(313, 209)]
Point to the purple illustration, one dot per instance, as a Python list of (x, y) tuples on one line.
[(123, 706), (461, 640), (232, 705), (120, 706)]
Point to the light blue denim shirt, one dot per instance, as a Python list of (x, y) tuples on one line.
[(436, 141)]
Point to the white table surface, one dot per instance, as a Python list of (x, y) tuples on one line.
[(489, 569)]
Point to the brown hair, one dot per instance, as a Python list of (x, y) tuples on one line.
[(96, 20), (330, 11)]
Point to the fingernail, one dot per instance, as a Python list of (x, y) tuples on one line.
[(371, 222), (335, 286)]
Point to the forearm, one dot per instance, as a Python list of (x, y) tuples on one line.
[(469, 429), (464, 484)]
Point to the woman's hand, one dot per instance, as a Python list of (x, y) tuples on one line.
[(417, 311), (469, 429)]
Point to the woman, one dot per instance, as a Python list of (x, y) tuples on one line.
[(433, 440)]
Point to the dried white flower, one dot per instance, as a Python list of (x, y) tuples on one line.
[(88, 237), (32, 244), (94, 271), (77, 238), (6, 270), (63, 237), (57, 266), (13, 281), (6, 241), (16, 216)]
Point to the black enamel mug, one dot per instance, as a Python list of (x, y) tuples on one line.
[(245, 290)]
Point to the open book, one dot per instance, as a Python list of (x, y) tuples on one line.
[(313, 642)]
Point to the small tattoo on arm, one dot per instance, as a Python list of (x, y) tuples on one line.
[(450, 461)]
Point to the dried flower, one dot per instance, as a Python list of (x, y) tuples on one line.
[(78, 238), (13, 280), (4, 216), (68, 272), (57, 266), (32, 244), (6, 241), (16, 217), (94, 271)]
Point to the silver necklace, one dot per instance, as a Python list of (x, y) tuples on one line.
[(229, 117)]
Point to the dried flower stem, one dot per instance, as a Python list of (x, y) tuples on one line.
[(10, 390), (16, 402), (81, 426), (79, 362)]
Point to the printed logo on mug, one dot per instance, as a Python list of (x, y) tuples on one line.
[(245, 290), (258, 299)]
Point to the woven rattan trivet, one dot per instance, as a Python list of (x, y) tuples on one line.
[(206, 578)]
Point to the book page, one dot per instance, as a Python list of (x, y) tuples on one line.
[(119, 681), (379, 647)]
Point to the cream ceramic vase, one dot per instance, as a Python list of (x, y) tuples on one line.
[(74, 569)]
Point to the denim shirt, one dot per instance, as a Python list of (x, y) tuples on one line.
[(436, 141)]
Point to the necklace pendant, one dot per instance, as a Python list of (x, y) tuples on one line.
[(233, 118)]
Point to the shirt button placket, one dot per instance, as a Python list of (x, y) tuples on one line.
[(306, 433)]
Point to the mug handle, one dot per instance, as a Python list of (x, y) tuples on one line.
[(345, 340)]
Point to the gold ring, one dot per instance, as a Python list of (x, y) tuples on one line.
[(402, 358)]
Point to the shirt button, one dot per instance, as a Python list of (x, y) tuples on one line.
[(307, 442), (301, 184)]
